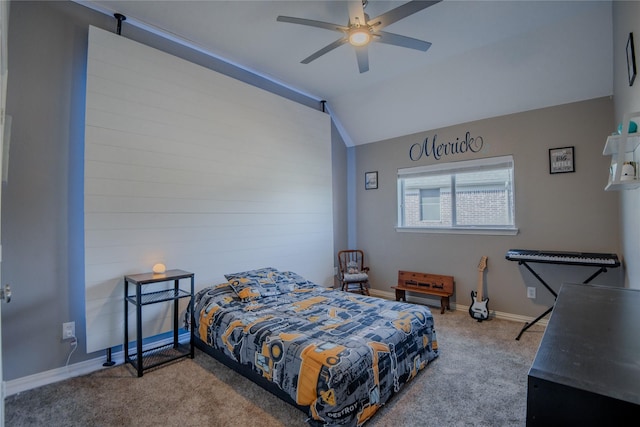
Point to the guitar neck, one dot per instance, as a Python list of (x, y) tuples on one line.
[(481, 266)]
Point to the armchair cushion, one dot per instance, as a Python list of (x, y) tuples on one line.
[(358, 277)]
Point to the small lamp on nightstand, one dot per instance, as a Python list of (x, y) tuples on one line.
[(159, 268)]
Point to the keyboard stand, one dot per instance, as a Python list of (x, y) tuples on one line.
[(555, 295)]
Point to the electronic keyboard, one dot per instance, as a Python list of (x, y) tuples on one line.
[(570, 258), (525, 256)]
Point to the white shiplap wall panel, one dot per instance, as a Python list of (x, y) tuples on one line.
[(199, 171)]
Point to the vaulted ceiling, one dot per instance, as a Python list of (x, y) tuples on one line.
[(487, 58)]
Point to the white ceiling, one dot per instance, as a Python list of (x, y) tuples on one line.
[(488, 58)]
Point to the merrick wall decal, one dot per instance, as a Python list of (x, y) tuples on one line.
[(437, 150)]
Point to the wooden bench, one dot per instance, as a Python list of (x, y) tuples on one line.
[(423, 283)]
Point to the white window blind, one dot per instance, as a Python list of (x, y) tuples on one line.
[(467, 195)]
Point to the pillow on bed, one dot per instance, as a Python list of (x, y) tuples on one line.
[(254, 284), (265, 282), (294, 279)]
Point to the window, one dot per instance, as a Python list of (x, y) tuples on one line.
[(430, 204), (466, 195)]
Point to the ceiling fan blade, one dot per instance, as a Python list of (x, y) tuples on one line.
[(312, 23), (324, 50), (399, 12), (356, 12), (402, 41), (362, 55)]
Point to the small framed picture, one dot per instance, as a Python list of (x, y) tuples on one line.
[(561, 160), (631, 60), (371, 180)]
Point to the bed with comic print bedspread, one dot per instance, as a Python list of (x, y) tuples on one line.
[(338, 356)]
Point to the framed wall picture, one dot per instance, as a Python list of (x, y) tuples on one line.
[(561, 160), (371, 180), (631, 60)]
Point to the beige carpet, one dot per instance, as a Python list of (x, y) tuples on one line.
[(480, 379)]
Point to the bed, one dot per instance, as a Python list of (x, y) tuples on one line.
[(335, 355)]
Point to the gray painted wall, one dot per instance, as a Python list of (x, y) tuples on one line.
[(339, 165), (42, 206), (626, 19), (570, 212)]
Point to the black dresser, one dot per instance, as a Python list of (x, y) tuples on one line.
[(587, 368)]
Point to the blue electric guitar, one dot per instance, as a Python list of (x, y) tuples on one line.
[(479, 309)]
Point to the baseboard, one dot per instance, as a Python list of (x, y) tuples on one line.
[(54, 375), (435, 303), (29, 382)]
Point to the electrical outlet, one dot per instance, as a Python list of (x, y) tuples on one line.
[(68, 330), (531, 292)]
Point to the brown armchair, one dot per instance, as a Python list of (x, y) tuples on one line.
[(352, 274)]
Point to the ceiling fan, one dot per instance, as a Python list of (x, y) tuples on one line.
[(361, 30)]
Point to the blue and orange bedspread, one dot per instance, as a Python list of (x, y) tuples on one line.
[(343, 355)]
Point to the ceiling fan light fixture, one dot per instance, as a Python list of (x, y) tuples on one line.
[(360, 30), (359, 37)]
